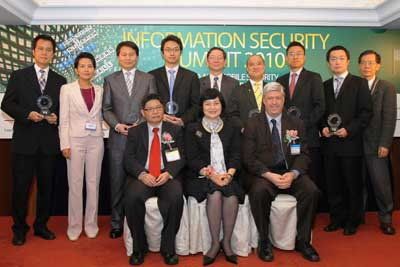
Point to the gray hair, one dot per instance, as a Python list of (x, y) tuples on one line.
[(273, 86)]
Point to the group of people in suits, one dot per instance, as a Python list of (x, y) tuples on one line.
[(173, 134)]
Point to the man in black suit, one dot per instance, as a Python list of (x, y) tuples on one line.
[(378, 137), (153, 160), (35, 142), (276, 157), (348, 97), (247, 99), (216, 60), (304, 91), (176, 85)]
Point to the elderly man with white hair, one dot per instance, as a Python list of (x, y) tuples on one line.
[(276, 157)]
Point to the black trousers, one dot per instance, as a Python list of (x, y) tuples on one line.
[(344, 187), (24, 167), (170, 203), (263, 192)]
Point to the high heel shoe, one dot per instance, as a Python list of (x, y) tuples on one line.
[(208, 260), (229, 258)]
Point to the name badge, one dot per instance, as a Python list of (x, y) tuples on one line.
[(295, 149), (90, 126), (172, 155)]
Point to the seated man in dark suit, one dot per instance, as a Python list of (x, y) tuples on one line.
[(153, 160), (276, 157)]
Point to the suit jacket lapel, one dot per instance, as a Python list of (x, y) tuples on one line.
[(145, 140), (164, 78), (206, 82), (34, 81), (178, 80), (284, 127), (120, 79), (78, 98), (300, 81), (250, 95), (97, 100), (136, 81), (343, 85), (224, 87)]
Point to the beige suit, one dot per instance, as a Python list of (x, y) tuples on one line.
[(87, 150)]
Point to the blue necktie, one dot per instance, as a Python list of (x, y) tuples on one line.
[(215, 86), (171, 83), (276, 143)]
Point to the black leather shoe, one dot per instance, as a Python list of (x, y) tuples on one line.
[(349, 230), (264, 251), (170, 259), (208, 260), (387, 229), (229, 258), (332, 227), (18, 239), (137, 258), (45, 233), (115, 233), (308, 252)]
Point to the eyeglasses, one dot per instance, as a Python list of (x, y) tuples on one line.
[(170, 50), (158, 108), (367, 63), (295, 54)]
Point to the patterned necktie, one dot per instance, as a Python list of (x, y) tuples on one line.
[(129, 81), (338, 82), (215, 86), (276, 143), (171, 83), (42, 80), (292, 85), (155, 155), (258, 94)]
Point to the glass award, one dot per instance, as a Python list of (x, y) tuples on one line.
[(44, 103), (171, 108), (334, 121), (253, 112), (132, 119)]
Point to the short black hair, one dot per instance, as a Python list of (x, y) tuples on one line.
[(172, 38), (370, 52), (84, 55), (128, 44), (209, 94), (44, 37), (295, 43), (216, 48), (337, 47), (150, 97)]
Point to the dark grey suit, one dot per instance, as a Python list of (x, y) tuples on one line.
[(228, 85), (117, 107), (241, 103), (379, 133)]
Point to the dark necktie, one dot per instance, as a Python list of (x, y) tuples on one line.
[(276, 143), (215, 86), (155, 155)]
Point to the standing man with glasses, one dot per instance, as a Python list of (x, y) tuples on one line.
[(216, 61), (123, 93), (35, 143), (348, 112), (378, 137), (178, 87), (304, 92)]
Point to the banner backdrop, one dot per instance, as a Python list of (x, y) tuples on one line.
[(238, 41)]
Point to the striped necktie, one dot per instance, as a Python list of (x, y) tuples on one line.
[(129, 81), (258, 94), (215, 85), (42, 80)]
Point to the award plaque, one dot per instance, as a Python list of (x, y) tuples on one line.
[(294, 112), (44, 103), (253, 112), (334, 121), (171, 108)]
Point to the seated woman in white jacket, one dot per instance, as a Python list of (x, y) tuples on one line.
[(81, 141)]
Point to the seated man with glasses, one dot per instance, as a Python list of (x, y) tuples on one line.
[(153, 161)]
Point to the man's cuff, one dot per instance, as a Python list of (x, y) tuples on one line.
[(296, 173)]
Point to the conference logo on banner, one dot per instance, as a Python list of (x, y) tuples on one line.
[(238, 41)]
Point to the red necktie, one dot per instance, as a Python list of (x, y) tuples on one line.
[(292, 84), (155, 155)]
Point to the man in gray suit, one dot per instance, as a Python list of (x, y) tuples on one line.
[(216, 60), (123, 93), (378, 137)]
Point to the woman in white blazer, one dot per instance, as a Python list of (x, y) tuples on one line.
[(81, 141)]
